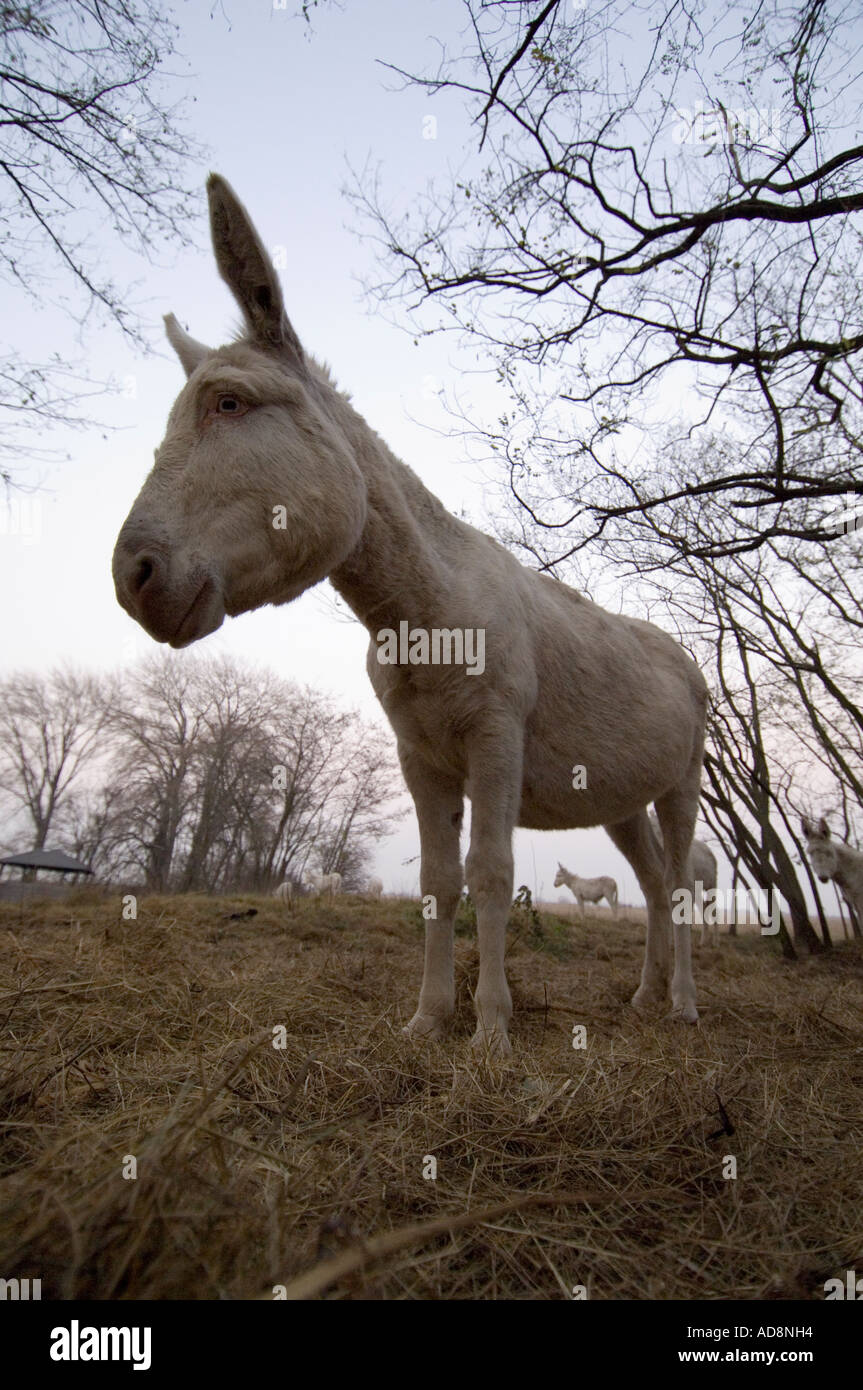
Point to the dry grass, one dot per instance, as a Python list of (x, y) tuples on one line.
[(303, 1166)]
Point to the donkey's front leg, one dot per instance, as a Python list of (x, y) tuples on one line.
[(494, 787), (439, 802)]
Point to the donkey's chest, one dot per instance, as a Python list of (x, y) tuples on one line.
[(432, 726)]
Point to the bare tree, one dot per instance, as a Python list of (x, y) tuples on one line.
[(52, 728), (661, 200), (361, 810), (156, 723), (655, 244), (225, 777), (777, 630), (88, 132)]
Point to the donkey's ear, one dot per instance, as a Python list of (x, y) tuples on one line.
[(806, 827), (190, 352), (247, 269), (823, 829)]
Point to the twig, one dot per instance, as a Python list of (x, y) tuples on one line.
[(314, 1281)]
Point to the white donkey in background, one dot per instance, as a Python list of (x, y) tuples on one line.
[(588, 890), (702, 873), (324, 885), (834, 859), (268, 481), (285, 892)]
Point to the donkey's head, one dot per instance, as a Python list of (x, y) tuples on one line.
[(560, 876), (821, 849), (255, 493)]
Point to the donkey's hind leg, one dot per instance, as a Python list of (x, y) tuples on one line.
[(637, 842), (677, 811)]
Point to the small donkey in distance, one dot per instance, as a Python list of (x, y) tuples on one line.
[(833, 859), (258, 430)]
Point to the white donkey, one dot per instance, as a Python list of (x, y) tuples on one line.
[(374, 888), (834, 859), (324, 885), (285, 892), (588, 890), (268, 481), (702, 873)]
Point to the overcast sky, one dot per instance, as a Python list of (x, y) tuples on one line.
[(282, 115)]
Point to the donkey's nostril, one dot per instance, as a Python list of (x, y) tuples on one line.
[(144, 570)]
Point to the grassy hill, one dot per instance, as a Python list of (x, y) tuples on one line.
[(260, 1166)]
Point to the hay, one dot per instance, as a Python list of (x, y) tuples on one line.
[(302, 1167)]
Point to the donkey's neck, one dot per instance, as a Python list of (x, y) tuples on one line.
[(411, 550)]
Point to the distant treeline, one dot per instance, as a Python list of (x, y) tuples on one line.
[(189, 774)]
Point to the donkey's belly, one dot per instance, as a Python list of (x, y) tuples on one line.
[(568, 794), (575, 809)]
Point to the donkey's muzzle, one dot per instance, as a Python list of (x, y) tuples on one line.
[(174, 603)]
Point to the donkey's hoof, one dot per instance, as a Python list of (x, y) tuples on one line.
[(685, 1012), (651, 997), (425, 1027), (495, 1044)]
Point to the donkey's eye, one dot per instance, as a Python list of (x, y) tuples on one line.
[(225, 403)]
